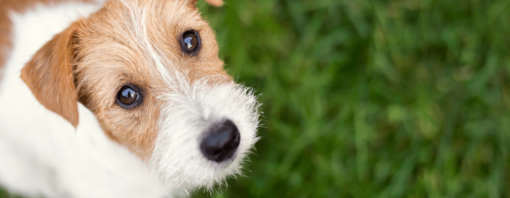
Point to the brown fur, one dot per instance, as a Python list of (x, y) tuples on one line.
[(215, 2), (49, 75), (93, 58)]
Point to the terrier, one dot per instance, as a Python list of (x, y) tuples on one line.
[(124, 98)]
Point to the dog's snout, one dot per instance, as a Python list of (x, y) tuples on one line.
[(221, 142)]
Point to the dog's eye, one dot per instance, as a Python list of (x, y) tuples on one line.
[(128, 97), (190, 41)]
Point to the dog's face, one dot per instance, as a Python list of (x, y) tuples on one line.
[(149, 70)]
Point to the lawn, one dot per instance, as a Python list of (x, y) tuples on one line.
[(372, 98)]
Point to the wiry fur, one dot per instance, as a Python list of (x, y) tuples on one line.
[(192, 109), (125, 42)]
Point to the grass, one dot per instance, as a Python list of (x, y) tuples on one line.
[(372, 98)]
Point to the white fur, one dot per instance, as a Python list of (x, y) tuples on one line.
[(190, 111), (42, 154)]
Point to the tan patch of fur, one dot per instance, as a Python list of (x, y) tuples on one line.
[(215, 2), (133, 42), (49, 75)]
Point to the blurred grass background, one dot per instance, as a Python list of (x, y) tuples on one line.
[(362, 98)]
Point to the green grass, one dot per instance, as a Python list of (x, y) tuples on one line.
[(372, 98)]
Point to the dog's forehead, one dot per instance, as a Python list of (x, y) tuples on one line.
[(157, 18), (144, 24), (134, 39)]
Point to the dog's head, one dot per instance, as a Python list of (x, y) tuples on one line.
[(149, 70)]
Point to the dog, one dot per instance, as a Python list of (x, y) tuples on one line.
[(123, 98)]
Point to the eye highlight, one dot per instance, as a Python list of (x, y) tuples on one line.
[(190, 42), (129, 97)]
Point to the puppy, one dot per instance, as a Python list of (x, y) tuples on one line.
[(124, 98)]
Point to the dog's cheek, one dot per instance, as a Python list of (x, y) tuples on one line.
[(136, 129)]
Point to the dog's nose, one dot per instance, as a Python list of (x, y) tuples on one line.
[(221, 142)]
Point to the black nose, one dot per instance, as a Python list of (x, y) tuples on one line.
[(221, 142)]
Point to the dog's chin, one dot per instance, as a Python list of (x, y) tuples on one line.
[(178, 161), (190, 170)]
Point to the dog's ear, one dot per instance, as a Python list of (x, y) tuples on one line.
[(216, 3), (49, 75)]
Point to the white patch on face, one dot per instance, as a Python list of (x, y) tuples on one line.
[(190, 111)]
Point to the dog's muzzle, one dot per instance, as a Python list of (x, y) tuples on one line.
[(221, 141)]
